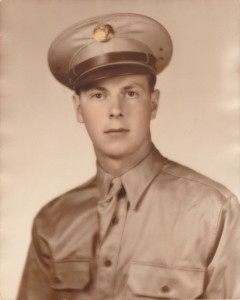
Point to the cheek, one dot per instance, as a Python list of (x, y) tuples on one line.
[(93, 132), (92, 123), (141, 116), (91, 115)]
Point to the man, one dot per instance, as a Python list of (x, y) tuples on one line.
[(144, 227)]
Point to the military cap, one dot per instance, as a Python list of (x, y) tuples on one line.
[(108, 45)]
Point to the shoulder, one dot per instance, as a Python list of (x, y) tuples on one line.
[(67, 205), (192, 185), (196, 195)]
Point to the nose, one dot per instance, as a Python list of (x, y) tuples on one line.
[(116, 110)]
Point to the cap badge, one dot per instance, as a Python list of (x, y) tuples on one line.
[(103, 33)]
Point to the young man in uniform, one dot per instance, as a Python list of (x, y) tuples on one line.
[(144, 227)]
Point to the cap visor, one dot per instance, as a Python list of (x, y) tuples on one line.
[(109, 71)]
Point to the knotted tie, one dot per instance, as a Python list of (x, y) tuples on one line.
[(107, 206)]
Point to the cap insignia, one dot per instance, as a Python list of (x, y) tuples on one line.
[(103, 33)]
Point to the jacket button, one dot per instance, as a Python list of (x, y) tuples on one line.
[(115, 220), (57, 279), (165, 289), (107, 263)]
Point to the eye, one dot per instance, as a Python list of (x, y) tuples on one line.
[(132, 94), (97, 95)]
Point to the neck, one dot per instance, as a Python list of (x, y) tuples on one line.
[(117, 166)]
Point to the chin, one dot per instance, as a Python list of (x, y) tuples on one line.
[(118, 151)]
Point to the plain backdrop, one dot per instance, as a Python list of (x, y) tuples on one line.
[(45, 152)]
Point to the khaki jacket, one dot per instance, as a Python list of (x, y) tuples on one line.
[(175, 234)]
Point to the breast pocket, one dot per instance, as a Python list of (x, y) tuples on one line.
[(162, 282), (70, 280)]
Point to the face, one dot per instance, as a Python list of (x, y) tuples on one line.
[(117, 114)]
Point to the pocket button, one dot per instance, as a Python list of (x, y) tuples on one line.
[(107, 263), (165, 289), (57, 279)]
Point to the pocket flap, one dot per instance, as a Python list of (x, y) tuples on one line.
[(70, 275), (163, 282)]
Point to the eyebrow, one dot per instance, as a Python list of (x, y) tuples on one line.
[(100, 88), (128, 87)]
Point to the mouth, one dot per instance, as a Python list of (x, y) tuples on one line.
[(116, 131)]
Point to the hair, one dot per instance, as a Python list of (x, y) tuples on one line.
[(152, 79)]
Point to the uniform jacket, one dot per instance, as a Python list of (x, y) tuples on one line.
[(176, 236)]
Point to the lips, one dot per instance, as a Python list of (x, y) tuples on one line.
[(116, 130)]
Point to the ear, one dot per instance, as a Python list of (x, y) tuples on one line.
[(154, 103), (78, 108)]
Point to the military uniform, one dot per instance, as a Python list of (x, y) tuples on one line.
[(158, 231), (175, 234)]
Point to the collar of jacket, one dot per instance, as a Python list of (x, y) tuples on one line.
[(135, 180)]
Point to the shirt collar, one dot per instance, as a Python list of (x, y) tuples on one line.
[(135, 180)]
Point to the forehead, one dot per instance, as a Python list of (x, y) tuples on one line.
[(121, 81)]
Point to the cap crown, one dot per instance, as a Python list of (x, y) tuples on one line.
[(109, 41)]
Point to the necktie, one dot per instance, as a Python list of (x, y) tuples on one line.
[(107, 206)]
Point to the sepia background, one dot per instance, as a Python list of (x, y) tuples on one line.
[(45, 152)]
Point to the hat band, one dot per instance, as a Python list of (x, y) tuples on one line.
[(114, 58)]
